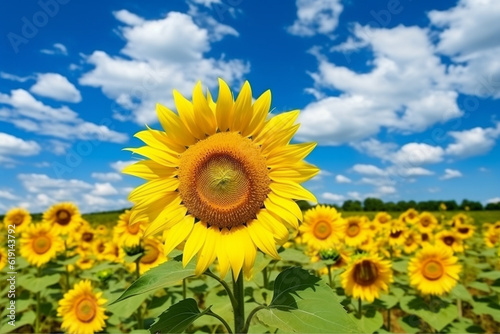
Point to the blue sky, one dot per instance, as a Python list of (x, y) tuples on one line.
[(401, 96)]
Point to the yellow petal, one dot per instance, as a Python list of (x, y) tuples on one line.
[(287, 204), (177, 234), (250, 253), (153, 187), (210, 101), (203, 115), (235, 252), (159, 140), (194, 242), (224, 108), (206, 255), (260, 112), (298, 172), (262, 238), (280, 232), (174, 126), (279, 139), (284, 214), (243, 111), (149, 170), (281, 121), (292, 190), (159, 156), (289, 154), (166, 219), (222, 256), (186, 113)]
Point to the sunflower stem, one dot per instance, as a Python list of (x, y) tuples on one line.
[(239, 310), (360, 312), (266, 278), (250, 316), (330, 278), (37, 320), (389, 320), (224, 285), (184, 288), (224, 322), (139, 313)]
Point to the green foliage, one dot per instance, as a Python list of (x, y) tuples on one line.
[(178, 317), (434, 311)]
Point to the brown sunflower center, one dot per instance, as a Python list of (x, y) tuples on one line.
[(41, 244), (133, 229), (223, 180), (86, 310), (463, 230), (151, 253), (365, 273), (383, 220), (411, 215), (63, 217), (409, 241), (425, 222), (432, 270), (87, 236), (353, 229), (425, 237), (449, 240), (396, 234), (18, 219), (101, 247), (322, 230)]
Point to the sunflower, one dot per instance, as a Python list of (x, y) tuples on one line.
[(114, 252), (491, 237), (323, 228), (3, 258), (63, 217), (336, 258), (410, 216), (153, 255), (18, 217), (459, 219), (434, 270), (450, 239), (85, 261), (356, 230), (126, 234), (396, 233), (86, 237), (465, 231), (82, 309), (39, 244), (427, 238), (426, 222), (99, 248), (366, 275), (102, 230), (412, 240), (222, 177), (382, 219)]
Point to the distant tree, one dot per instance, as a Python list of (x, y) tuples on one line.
[(492, 206), (373, 204), (451, 205), (402, 206), (351, 205), (412, 204), (390, 206), (472, 205)]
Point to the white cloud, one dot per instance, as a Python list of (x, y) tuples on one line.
[(342, 179), (434, 190), (104, 189), (57, 48), (119, 165), (451, 174), (417, 154), (107, 177), (162, 55), (386, 190), (7, 195), (13, 77), (368, 169), (472, 142), (40, 182), (330, 197), (316, 17), (493, 200), (58, 147), (321, 175), (31, 115), (11, 145), (57, 87)]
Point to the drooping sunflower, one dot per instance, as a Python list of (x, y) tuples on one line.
[(434, 270), (63, 217), (322, 228), (410, 216), (82, 309), (356, 230), (465, 231), (366, 275), (18, 217), (39, 244), (222, 178), (426, 222), (451, 240), (3, 258), (126, 234)]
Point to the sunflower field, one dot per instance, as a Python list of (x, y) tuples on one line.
[(216, 243)]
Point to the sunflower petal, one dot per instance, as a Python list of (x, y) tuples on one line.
[(177, 233), (283, 120), (203, 115), (299, 172), (159, 156), (173, 126), (149, 170), (194, 242), (224, 108), (207, 254), (186, 113), (262, 238), (289, 154), (279, 230), (282, 213), (292, 190), (260, 112), (287, 204), (153, 187), (243, 111)]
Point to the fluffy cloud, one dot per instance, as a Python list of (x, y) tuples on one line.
[(104, 189), (451, 174), (57, 87), (119, 165), (417, 154), (162, 55), (493, 200), (368, 170), (472, 142), (7, 195), (107, 177), (342, 179), (31, 115), (316, 17), (11, 145), (330, 197), (57, 48)]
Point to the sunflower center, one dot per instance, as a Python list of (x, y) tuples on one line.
[(449, 240), (63, 217), (396, 234), (463, 230), (425, 237), (425, 222), (151, 253), (101, 248), (18, 219), (353, 229), (409, 241), (41, 244), (411, 215), (322, 230), (134, 229), (365, 273), (87, 236), (86, 310), (433, 270), (223, 180), (383, 220)]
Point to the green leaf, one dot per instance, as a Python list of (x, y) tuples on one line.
[(166, 274), (435, 312), (371, 320), (487, 308), (410, 323), (388, 300), (37, 284), (480, 286), (492, 275), (400, 266), (295, 256), (26, 318), (178, 317), (465, 325), (304, 303), (460, 292)]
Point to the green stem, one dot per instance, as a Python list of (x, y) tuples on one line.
[(224, 322), (225, 285), (37, 320), (239, 310), (459, 308), (388, 320), (330, 275), (184, 289), (266, 279), (360, 313), (140, 321), (250, 316)]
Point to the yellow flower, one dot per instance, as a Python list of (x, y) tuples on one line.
[(18, 217), (323, 228), (410, 216), (85, 262), (442, 207), (153, 255), (3, 258), (465, 231), (86, 237), (427, 238), (492, 237), (434, 270), (99, 248), (412, 241), (64, 218), (102, 230), (126, 234), (356, 230), (222, 177), (82, 310), (450, 239), (114, 252), (426, 222), (365, 276), (395, 233), (460, 219), (39, 244), (382, 219)]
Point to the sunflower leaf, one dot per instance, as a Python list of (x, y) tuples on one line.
[(304, 303), (178, 317), (167, 274), (435, 312)]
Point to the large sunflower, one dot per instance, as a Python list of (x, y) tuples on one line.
[(366, 275), (396, 233), (221, 177), (39, 244), (356, 230), (82, 309), (434, 270), (323, 228), (18, 217), (63, 217)]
